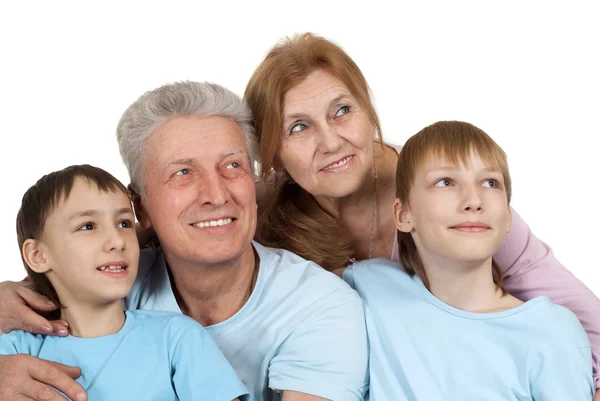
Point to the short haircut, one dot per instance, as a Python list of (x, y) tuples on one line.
[(42, 199), (454, 141)]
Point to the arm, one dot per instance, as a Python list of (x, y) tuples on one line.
[(327, 357), (199, 368), (18, 301), (531, 269), (565, 375)]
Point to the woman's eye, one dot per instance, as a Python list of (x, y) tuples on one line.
[(342, 111), (234, 165), (298, 128), (183, 171), (86, 227), (444, 182), (490, 183)]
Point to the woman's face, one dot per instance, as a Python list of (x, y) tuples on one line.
[(327, 137)]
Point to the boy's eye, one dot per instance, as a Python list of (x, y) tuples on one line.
[(444, 182), (86, 226), (125, 224), (491, 183)]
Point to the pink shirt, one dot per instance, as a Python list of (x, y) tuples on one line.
[(530, 269)]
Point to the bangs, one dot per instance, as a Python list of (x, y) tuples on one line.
[(454, 141)]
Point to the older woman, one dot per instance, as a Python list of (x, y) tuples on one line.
[(329, 178)]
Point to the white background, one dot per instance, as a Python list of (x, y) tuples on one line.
[(525, 72)]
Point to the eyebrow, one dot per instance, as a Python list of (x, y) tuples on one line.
[(454, 168), (93, 212), (301, 116), (233, 151), (193, 160)]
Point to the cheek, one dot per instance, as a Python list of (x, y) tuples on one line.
[(243, 192), (295, 155)]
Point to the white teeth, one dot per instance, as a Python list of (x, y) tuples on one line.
[(341, 162), (111, 268), (213, 223)]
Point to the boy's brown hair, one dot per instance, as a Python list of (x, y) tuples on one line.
[(42, 199), (454, 141)]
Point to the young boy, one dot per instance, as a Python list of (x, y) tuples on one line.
[(448, 330), (77, 236)]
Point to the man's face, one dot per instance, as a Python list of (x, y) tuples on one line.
[(200, 193)]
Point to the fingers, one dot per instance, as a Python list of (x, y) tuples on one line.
[(38, 392), (23, 318), (23, 377), (54, 374), (72, 371), (35, 300)]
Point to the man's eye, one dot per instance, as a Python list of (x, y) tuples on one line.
[(183, 171), (234, 165)]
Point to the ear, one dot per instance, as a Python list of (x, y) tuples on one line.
[(509, 219), (35, 257), (402, 217), (138, 207)]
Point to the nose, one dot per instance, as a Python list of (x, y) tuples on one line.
[(472, 199), (212, 190), (329, 139), (115, 242)]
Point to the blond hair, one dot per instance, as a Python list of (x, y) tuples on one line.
[(454, 141)]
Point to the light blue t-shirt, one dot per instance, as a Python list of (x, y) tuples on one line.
[(302, 329), (424, 349), (155, 356)]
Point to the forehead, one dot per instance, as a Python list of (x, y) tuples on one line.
[(194, 137), (470, 160), (86, 195), (317, 88)]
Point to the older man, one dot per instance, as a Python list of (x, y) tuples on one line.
[(290, 329)]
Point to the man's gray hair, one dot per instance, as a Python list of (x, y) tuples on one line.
[(185, 98)]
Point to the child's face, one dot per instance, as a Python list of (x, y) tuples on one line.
[(456, 213), (87, 234)]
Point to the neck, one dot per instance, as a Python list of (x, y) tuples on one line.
[(465, 285), (211, 294), (355, 211), (93, 320)]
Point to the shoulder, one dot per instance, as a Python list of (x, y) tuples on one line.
[(20, 342), (161, 319), (170, 325), (294, 291), (560, 326), (377, 274), (291, 273)]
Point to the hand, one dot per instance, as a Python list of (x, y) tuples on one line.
[(17, 299), (24, 377), (597, 396)]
